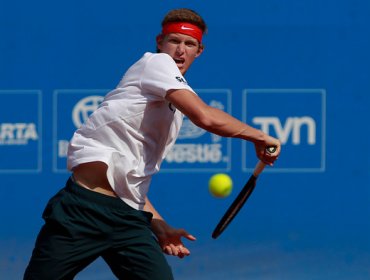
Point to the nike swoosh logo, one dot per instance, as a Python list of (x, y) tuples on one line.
[(186, 28)]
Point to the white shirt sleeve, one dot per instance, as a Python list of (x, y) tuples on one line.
[(162, 74)]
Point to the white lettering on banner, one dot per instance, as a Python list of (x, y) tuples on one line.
[(17, 133), (293, 125), (62, 148), (192, 153)]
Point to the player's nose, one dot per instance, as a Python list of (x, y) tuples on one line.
[(180, 48)]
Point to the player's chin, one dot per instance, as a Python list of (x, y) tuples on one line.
[(182, 68)]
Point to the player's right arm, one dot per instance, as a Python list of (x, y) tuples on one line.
[(221, 123)]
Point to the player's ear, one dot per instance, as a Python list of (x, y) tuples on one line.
[(159, 40), (200, 50)]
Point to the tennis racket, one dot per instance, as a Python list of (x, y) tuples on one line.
[(241, 198)]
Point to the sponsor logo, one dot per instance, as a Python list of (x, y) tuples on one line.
[(292, 129), (195, 153), (183, 27), (297, 119), (21, 131), (83, 109), (181, 80), (17, 133), (171, 107)]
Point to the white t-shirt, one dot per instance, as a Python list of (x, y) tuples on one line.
[(133, 128)]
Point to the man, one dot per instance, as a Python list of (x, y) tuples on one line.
[(104, 209)]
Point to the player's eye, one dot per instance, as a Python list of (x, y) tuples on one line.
[(191, 44), (174, 41)]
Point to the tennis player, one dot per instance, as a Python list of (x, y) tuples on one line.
[(103, 211)]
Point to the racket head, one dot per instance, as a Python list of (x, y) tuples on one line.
[(235, 207)]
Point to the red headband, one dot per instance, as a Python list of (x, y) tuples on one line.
[(183, 28)]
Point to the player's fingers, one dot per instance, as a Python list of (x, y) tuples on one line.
[(269, 158), (187, 235), (174, 249), (179, 251), (168, 250), (181, 255), (183, 251)]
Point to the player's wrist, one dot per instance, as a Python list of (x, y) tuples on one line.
[(159, 226), (258, 137)]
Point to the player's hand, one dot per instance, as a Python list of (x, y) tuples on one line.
[(171, 243), (170, 239), (263, 153)]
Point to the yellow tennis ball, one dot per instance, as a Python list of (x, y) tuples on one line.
[(220, 185)]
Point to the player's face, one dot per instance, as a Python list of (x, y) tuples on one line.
[(182, 48)]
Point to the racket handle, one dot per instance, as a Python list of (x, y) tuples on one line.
[(260, 165), (258, 169)]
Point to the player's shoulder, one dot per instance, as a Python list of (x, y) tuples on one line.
[(151, 60), (157, 57)]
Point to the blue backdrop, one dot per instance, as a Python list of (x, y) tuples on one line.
[(297, 69)]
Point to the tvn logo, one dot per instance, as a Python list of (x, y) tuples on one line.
[(291, 130), (297, 118)]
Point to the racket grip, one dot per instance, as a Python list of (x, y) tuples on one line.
[(259, 168)]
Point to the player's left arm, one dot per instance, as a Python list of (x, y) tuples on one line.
[(169, 238)]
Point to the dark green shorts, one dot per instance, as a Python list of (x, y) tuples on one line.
[(82, 225)]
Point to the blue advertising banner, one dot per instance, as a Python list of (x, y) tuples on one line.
[(297, 118), (298, 70)]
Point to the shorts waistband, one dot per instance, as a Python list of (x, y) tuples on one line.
[(96, 197)]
